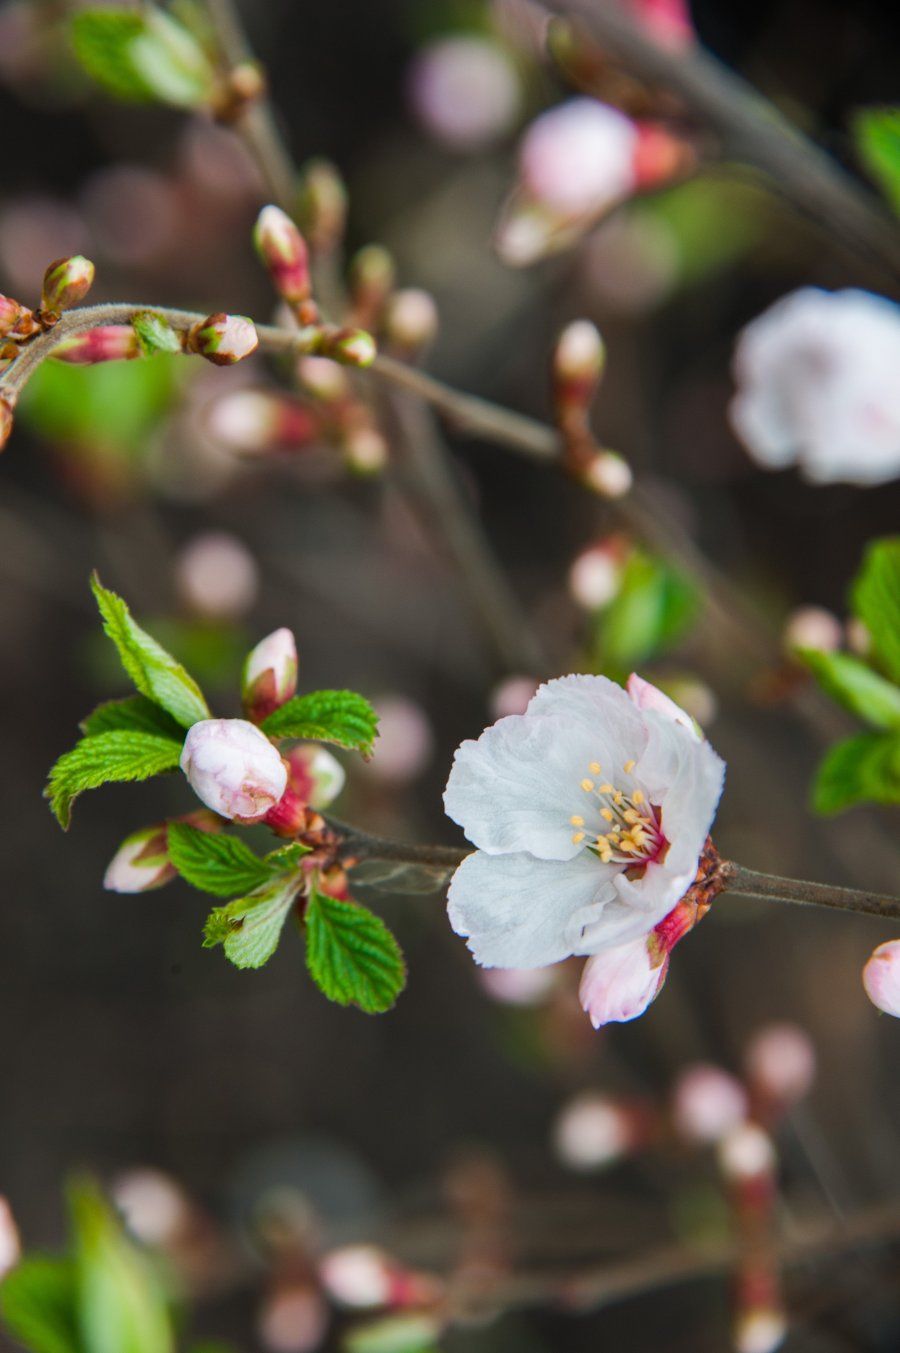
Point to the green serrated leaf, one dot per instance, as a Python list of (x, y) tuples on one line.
[(142, 56), (121, 1305), (342, 717), (876, 600), (134, 712), (106, 758), (351, 955), (155, 333), (154, 671), (286, 857), (38, 1302), (855, 686), (249, 928), (864, 769), (215, 863), (877, 135)]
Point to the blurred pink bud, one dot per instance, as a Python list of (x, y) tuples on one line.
[(217, 576), (579, 355), (350, 347), (579, 157), (410, 321), (323, 204), (323, 379), (365, 450), (153, 1207), (289, 816), (251, 421), (405, 740), (283, 251), (619, 983), (16, 320), (660, 156), (607, 475), (859, 640), (596, 575), (358, 1276), (315, 775), (464, 90), (517, 986), (270, 675), (66, 282), (6, 421), (233, 768), (812, 627), (512, 696), (223, 339), (647, 696), (706, 1104), (759, 1331), (593, 1131), (10, 1245), (746, 1154), (293, 1319), (371, 280), (780, 1064), (141, 862), (107, 343), (881, 977)]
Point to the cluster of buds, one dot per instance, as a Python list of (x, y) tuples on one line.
[(344, 419), (404, 319), (577, 369)]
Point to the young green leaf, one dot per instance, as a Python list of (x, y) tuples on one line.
[(102, 40), (38, 1302), (108, 757), (154, 671), (651, 611), (250, 927), (121, 1305), (285, 858), (865, 769), (855, 686), (134, 712), (215, 863), (351, 954), (876, 600), (877, 133), (142, 56), (342, 717), (155, 333)]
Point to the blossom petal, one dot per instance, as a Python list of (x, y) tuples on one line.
[(609, 726), (519, 912)]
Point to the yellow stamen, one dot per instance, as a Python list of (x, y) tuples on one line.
[(587, 785), (629, 767), (577, 838), (607, 813), (576, 821), (594, 767), (606, 789), (637, 796)]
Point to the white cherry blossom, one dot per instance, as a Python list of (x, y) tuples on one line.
[(589, 815)]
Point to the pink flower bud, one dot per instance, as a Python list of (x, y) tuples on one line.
[(254, 421), (141, 862), (358, 1276), (596, 575), (233, 768), (410, 321), (293, 1319), (6, 421), (323, 204), (881, 977), (223, 339), (579, 355), (759, 1330), (660, 156), (780, 1064), (66, 282), (270, 675), (668, 21), (707, 1103), (512, 696), (578, 158), (405, 740), (283, 251), (619, 983), (350, 347), (746, 1155), (16, 320), (315, 775), (607, 475), (372, 274), (10, 1245), (518, 986), (217, 576), (593, 1131), (647, 696), (365, 450), (107, 343), (464, 90), (812, 627), (323, 379), (153, 1207)]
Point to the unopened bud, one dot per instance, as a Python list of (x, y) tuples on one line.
[(707, 1103), (315, 775), (619, 983), (372, 274), (107, 343), (217, 576), (153, 1207), (365, 450), (759, 1330), (812, 627), (270, 675), (746, 1155), (10, 1245), (350, 347), (405, 740), (410, 321), (578, 361), (141, 862), (881, 977), (6, 421), (323, 204), (66, 282), (596, 575), (661, 156), (323, 379), (780, 1064), (289, 817), (293, 1319), (253, 421), (224, 339), (283, 251), (357, 1276), (594, 1131), (233, 768), (16, 320), (607, 474)]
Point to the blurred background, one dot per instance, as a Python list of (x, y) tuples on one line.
[(433, 1130)]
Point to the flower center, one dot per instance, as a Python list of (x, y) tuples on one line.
[(634, 834)]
